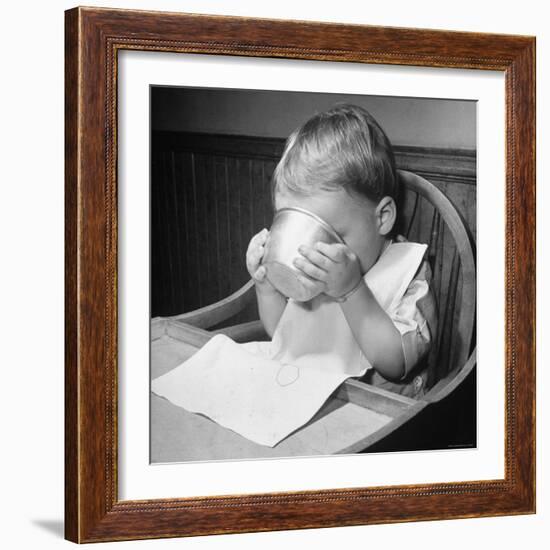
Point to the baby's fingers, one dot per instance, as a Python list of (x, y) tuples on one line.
[(310, 269), (260, 273), (254, 257), (315, 257), (313, 286), (336, 252), (261, 237), (255, 249)]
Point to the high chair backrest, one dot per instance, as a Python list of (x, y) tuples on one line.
[(428, 216)]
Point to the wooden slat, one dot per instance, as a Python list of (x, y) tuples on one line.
[(223, 226), (194, 262), (157, 303), (167, 202), (159, 270), (173, 190), (376, 399), (234, 182), (207, 268), (181, 176), (268, 167), (158, 328), (213, 291), (248, 198), (378, 435), (186, 333)]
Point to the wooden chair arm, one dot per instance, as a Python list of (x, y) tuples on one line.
[(218, 312), (245, 332), (447, 385)]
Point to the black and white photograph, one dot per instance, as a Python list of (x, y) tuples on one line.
[(312, 274)]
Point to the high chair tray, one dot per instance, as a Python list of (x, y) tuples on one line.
[(354, 417)]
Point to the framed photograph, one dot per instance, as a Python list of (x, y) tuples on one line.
[(289, 245)]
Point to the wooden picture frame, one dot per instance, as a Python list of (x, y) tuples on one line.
[(93, 511)]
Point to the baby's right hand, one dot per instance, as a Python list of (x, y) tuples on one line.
[(254, 255)]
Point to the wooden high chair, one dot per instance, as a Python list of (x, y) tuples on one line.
[(357, 415)]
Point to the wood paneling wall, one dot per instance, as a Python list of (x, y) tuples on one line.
[(211, 193), (209, 196)]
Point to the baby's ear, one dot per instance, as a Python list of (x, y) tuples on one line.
[(386, 215)]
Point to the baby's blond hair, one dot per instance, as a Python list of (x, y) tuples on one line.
[(343, 147)]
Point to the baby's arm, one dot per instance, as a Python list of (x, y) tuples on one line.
[(271, 303), (375, 332), (270, 307)]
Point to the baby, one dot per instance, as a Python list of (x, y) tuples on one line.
[(340, 166)]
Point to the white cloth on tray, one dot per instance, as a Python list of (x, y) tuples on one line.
[(267, 390)]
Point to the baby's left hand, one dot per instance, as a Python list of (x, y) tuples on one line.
[(335, 266)]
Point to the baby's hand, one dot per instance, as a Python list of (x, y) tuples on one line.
[(254, 255), (335, 266)]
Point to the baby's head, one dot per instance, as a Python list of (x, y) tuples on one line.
[(340, 165)]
